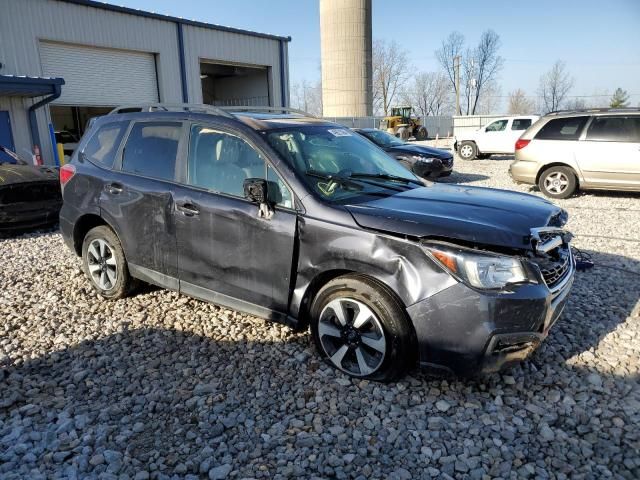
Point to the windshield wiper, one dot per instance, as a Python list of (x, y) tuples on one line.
[(344, 181), (386, 176)]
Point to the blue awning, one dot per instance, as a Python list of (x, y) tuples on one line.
[(21, 86)]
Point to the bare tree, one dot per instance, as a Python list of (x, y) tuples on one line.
[(554, 86), (575, 103), (307, 96), (486, 66), (451, 48), (390, 69), (429, 94), (519, 104), (479, 67), (490, 102)]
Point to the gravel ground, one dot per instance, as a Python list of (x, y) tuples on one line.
[(163, 386)]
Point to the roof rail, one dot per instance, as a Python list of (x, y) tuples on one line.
[(596, 110), (266, 109), (171, 107)]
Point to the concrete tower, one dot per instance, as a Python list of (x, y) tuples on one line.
[(345, 37)]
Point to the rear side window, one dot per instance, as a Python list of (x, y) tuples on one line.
[(102, 146), (562, 129), (615, 129), (151, 149), (521, 124)]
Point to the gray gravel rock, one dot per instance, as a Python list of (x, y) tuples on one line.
[(162, 386)]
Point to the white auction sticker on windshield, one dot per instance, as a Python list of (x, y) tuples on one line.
[(340, 132)]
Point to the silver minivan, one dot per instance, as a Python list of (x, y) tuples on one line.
[(586, 149)]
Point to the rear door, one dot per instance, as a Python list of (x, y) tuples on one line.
[(609, 155), (226, 251), (138, 198)]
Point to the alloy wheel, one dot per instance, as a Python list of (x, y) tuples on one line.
[(556, 182), (102, 264), (352, 336), (466, 151)]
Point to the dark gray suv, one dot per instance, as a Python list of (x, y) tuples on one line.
[(304, 222)]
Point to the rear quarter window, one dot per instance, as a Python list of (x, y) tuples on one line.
[(104, 143), (615, 129), (562, 129)]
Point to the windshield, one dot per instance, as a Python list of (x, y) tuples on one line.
[(339, 164), (383, 139)]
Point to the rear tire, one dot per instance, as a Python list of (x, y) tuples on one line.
[(403, 133), (104, 263), (359, 327), (421, 133), (468, 150), (558, 182)]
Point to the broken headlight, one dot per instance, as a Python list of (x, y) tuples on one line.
[(479, 269)]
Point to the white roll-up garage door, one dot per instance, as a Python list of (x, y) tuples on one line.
[(100, 76)]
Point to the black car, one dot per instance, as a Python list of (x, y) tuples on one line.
[(426, 162), (29, 195), (302, 221)]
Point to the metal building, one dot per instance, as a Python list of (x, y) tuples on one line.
[(65, 61), (345, 34)]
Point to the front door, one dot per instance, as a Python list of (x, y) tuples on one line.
[(227, 253), (609, 155), (6, 136), (493, 137)]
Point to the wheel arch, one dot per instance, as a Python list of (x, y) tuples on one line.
[(83, 225), (323, 278), (547, 166)]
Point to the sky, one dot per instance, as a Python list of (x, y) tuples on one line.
[(598, 40)]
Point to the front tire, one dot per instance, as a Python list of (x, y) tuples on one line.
[(468, 150), (359, 327), (558, 182), (104, 263)]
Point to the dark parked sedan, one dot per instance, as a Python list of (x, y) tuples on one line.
[(426, 162), (29, 195)]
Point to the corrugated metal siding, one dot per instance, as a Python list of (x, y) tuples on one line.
[(212, 45), (26, 23), (100, 76)]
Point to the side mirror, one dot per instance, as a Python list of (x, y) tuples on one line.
[(256, 190)]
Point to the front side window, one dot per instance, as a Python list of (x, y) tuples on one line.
[(102, 146), (338, 164), (562, 129), (151, 149), (221, 162), (521, 124), (497, 126), (615, 129)]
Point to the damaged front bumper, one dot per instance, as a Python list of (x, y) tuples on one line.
[(470, 332)]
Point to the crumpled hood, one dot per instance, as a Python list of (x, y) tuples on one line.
[(12, 174), (475, 214), (420, 150)]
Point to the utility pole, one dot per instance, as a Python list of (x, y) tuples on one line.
[(456, 66)]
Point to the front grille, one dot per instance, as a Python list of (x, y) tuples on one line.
[(555, 272)]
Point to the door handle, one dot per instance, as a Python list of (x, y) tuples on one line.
[(188, 209), (113, 188)]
